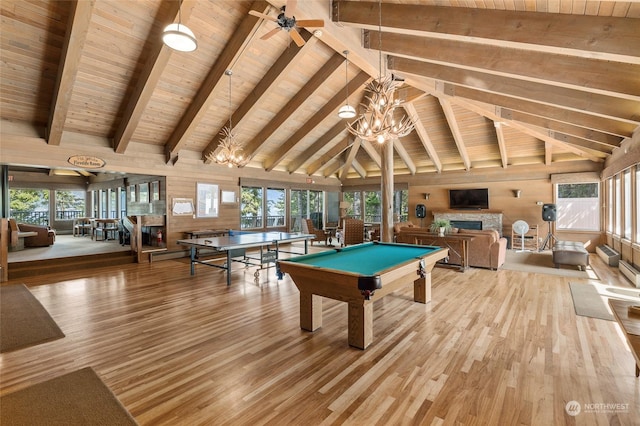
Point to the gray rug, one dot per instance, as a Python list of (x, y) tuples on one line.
[(23, 320), (589, 303), (78, 398), (542, 263)]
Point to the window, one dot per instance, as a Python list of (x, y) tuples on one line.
[(275, 207), (618, 212), (355, 204), (29, 206), (637, 203), (299, 208), (400, 206), (609, 205), (69, 204), (316, 208), (251, 208), (627, 204), (372, 206), (578, 206)]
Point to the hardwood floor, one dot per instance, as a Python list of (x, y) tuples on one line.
[(498, 348)]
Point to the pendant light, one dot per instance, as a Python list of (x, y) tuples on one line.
[(346, 111), (179, 37)]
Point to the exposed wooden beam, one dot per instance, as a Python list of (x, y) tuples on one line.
[(148, 80), (593, 103), (204, 97), (423, 134), (603, 37), (455, 131), (372, 151), (318, 145), (404, 155), (286, 62), (502, 145), (539, 134), (328, 108), (548, 153), (75, 37), (330, 155), (584, 74), (355, 165), (576, 118), (351, 155), (557, 126), (318, 79)]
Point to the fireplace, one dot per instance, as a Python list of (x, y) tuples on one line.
[(466, 224), (489, 219)]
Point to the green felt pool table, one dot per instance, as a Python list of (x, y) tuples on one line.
[(359, 275)]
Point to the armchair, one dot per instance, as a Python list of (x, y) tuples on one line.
[(353, 232), (309, 228)]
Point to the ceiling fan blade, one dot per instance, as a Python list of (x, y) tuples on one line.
[(296, 37), (290, 7), (310, 23), (262, 15), (270, 33)]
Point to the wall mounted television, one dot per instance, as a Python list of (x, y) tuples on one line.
[(469, 199)]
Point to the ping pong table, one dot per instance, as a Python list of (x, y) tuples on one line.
[(235, 245)]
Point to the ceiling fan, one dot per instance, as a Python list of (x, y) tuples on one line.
[(287, 21)]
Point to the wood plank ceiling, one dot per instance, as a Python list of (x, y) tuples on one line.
[(487, 84)]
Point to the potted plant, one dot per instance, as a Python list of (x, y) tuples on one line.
[(440, 226)]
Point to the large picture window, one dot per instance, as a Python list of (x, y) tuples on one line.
[(275, 207), (251, 207), (69, 204), (29, 206), (578, 206)]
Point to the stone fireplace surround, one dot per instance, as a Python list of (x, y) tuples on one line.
[(490, 219)]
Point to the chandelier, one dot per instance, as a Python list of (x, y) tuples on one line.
[(229, 151), (377, 122)]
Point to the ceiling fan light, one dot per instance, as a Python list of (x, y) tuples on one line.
[(346, 111), (179, 37)]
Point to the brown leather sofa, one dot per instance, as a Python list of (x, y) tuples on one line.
[(486, 250), (44, 236)]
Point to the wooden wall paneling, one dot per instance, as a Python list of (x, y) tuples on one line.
[(185, 187)]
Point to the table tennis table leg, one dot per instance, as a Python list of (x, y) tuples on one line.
[(228, 267), (193, 258)]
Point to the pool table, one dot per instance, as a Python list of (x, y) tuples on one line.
[(359, 275)]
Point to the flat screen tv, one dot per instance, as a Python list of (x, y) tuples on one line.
[(469, 199)]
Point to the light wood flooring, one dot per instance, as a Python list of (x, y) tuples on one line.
[(494, 348)]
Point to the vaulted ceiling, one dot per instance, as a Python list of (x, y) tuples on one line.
[(487, 84)]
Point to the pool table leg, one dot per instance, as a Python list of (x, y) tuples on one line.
[(422, 289), (310, 311), (360, 332)]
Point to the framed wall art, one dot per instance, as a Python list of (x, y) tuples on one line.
[(207, 200)]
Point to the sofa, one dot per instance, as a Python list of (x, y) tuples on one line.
[(27, 235), (486, 250)]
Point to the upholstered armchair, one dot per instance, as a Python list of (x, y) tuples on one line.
[(309, 228), (353, 232)]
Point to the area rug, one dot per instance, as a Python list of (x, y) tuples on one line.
[(592, 299), (77, 398), (542, 263), (23, 320)]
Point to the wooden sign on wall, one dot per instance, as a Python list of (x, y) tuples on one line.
[(87, 161)]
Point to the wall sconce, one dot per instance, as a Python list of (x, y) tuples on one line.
[(517, 193), (426, 196)]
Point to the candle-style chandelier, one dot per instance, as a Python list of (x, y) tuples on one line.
[(377, 122), (229, 151)]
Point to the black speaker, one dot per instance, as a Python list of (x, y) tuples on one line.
[(421, 211), (549, 212)]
